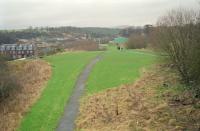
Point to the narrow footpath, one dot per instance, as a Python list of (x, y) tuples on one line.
[(72, 106)]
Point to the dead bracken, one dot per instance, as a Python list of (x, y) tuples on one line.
[(138, 107), (32, 76)]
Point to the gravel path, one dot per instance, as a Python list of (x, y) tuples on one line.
[(71, 110)]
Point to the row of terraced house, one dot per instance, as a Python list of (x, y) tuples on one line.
[(17, 51)]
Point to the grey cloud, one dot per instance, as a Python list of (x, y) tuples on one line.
[(24, 13)]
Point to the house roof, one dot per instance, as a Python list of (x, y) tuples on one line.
[(120, 40)]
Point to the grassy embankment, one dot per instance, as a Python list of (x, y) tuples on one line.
[(155, 101), (45, 113), (117, 68)]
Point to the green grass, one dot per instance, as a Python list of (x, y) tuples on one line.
[(117, 68), (114, 69), (45, 113)]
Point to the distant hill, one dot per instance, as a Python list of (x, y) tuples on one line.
[(11, 36)]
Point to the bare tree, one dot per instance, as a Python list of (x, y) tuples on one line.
[(178, 35)]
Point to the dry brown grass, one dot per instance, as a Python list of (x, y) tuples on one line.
[(137, 107), (32, 76)]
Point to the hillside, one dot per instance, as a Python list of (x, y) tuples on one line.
[(146, 105)]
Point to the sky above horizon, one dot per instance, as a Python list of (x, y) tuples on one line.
[(16, 14)]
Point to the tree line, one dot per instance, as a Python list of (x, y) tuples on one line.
[(11, 36)]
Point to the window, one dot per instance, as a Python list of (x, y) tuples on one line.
[(30, 47)]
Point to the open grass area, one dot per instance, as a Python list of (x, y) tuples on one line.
[(45, 113), (117, 68)]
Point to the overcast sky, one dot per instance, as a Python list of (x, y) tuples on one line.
[(98, 13)]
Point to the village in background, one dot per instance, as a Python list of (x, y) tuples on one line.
[(37, 42)]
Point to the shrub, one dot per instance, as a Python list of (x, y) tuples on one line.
[(136, 42), (178, 35), (8, 80)]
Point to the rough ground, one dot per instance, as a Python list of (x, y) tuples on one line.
[(32, 76), (142, 106), (71, 110)]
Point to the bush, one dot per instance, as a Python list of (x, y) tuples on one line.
[(136, 42), (8, 80), (178, 35)]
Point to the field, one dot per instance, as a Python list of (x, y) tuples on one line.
[(45, 113), (117, 68)]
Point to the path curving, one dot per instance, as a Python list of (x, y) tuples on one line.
[(72, 106)]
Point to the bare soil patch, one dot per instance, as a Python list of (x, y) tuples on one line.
[(32, 77), (141, 106)]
